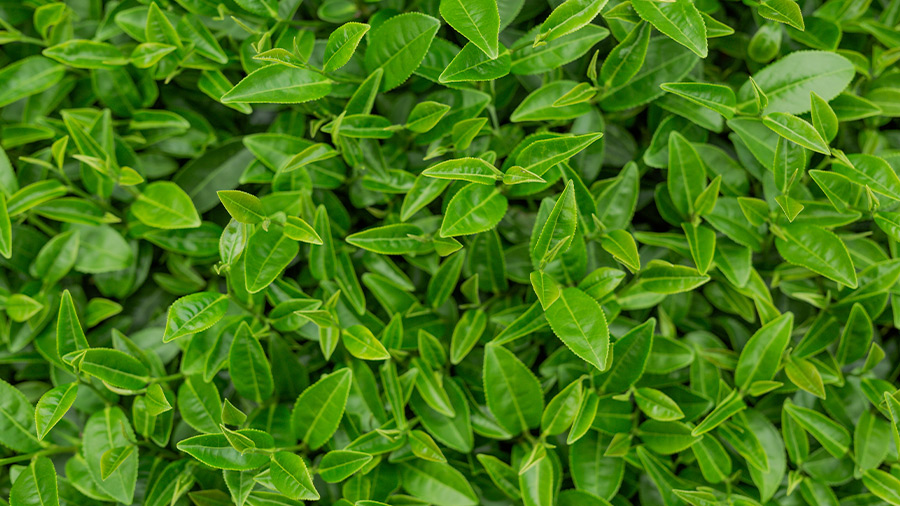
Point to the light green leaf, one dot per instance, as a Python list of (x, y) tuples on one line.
[(320, 407), (830, 434), (291, 477), (761, 356), (250, 370), (165, 205), (399, 45), (476, 20), (278, 84), (242, 206), (473, 170), (36, 485), (679, 20), (397, 239), (716, 97), (568, 17), (625, 60), (476, 208), (580, 324), (194, 313), (513, 393), (362, 344), (796, 130), (819, 250), (338, 465), (342, 44)]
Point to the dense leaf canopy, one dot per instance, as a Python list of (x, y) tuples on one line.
[(449, 252)]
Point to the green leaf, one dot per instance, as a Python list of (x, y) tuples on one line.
[(819, 250), (568, 17), (215, 451), (16, 417), (250, 371), (630, 353), (399, 45), (687, 176), (788, 82), (319, 408), (397, 239), (242, 206), (156, 400), (437, 483), (425, 115), (200, 405), (476, 20), (761, 356), (86, 54), (338, 465), (823, 117), (662, 277), (657, 405), (267, 254), (716, 97), (291, 477), (36, 485), (554, 235), (545, 57), (804, 374), (342, 44), (871, 171), (501, 474), (702, 242), (869, 438), (831, 435), (856, 336), (362, 344), (546, 288), (113, 367), (464, 218), (796, 130), (113, 458), (5, 230), (625, 60), (149, 54), (278, 84), (21, 308), (27, 77), (882, 484), (679, 20), (52, 406), (562, 409), (466, 334), (783, 11), (620, 244), (578, 321), (471, 64), (194, 313), (69, 333), (666, 438), (728, 407), (513, 393), (105, 430), (540, 156), (165, 205), (424, 447), (473, 170), (538, 105)]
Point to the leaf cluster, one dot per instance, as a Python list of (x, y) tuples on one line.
[(450, 252)]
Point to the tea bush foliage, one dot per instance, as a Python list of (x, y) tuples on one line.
[(449, 252)]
